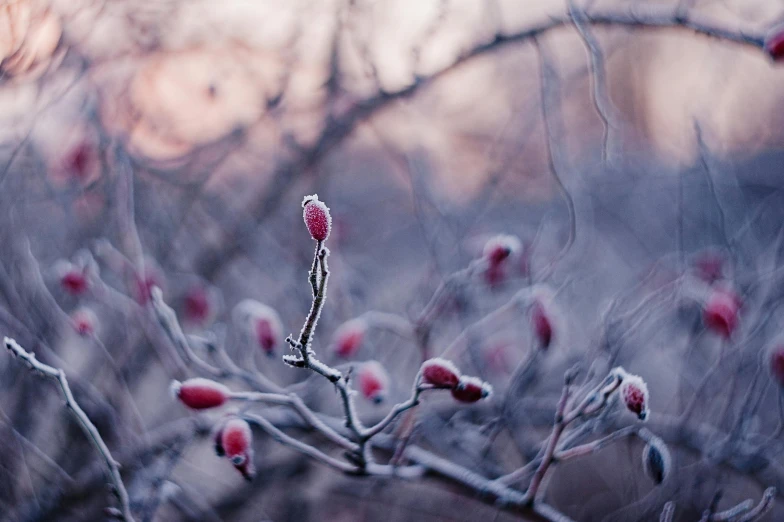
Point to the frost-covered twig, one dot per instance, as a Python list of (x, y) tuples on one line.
[(81, 417)]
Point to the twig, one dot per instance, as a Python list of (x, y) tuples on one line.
[(84, 421)]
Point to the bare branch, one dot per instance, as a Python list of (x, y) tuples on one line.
[(81, 417)]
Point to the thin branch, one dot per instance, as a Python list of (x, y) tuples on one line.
[(303, 448), (81, 417), (600, 94)]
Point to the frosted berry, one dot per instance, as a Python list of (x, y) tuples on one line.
[(440, 372), (317, 218), (373, 381), (721, 312), (236, 439), (497, 251), (656, 460), (634, 393), (84, 321), (541, 324), (774, 43), (777, 364), (200, 393), (349, 337), (471, 389), (235, 444)]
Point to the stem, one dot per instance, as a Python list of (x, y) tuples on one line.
[(81, 417)]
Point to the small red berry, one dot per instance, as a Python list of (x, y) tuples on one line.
[(349, 337), (721, 312), (317, 217), (267, 334), (499, 248), (260, 323), (373, 381), (236, 439), (74, 281), (471, 389), (440, 372), (634, 393), (198, 306), (79, 161), (541, 324), (777, 364), (84, 321), (236, 444), (200, 393), (774, 43)]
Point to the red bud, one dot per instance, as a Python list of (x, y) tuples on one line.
[(373, 381), (499, 248), (198, 306), (541, 324), (236, 439), (267, 334), (471, 389), (349, 337), (440, 372), (317, 218), (260, 323), (74, 281), (84, 321), (634, 393), (200, 394), (721, 312)]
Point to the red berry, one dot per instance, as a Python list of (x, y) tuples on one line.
[(79, 161), (777, 364), (84, 321), (721, 312), (541, 324), (267, 334), (634, 393), (774, 43), (200, 394), (373, 381), (499, 248), (198, 306), (236, 444), (471, 389), (74, 281), (260, 323), (440, 372), (236, 439), (317, 218), (349, 337)]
